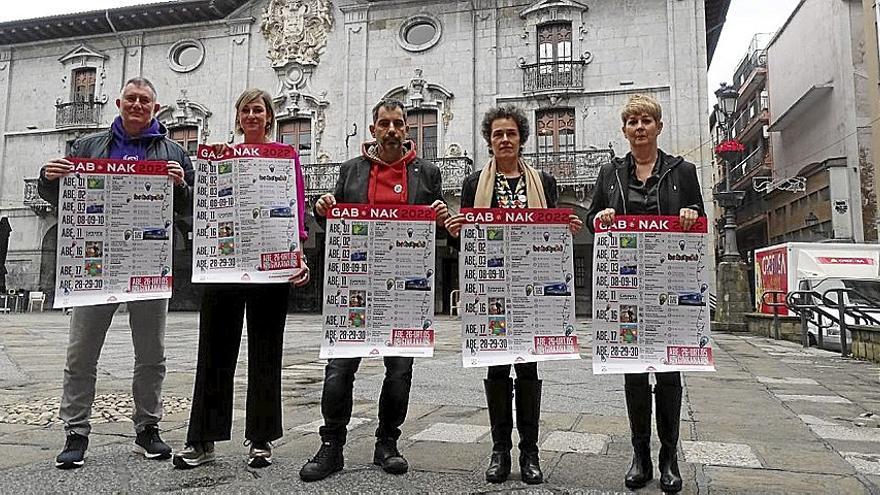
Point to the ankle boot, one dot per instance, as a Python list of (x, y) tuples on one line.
[(528, 414), (638, 409), (499, 395), (668, 403)]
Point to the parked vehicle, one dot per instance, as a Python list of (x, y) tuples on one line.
[(819, 267)]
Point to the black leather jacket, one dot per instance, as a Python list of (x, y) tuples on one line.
[(678, 187)]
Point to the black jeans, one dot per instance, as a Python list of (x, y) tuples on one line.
[(524, 371), (336, 400), (664, 378), (220, 326)]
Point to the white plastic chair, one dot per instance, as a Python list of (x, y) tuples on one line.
[(36, 297), (455, 302)]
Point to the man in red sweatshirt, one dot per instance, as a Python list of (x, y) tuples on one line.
[(387, 172)]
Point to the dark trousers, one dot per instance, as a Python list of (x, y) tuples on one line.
[(220, 326), (336, 400), (524, 371), (664, 379)]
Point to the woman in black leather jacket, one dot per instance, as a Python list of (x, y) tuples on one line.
[(647, 181)]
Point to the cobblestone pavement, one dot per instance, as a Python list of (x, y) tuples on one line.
[(775, 418)]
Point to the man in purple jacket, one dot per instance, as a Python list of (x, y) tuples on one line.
[(134, 135)]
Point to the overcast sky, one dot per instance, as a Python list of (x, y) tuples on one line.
[(745, 19)]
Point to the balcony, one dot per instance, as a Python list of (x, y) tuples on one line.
[(759, 159), (78, 114), (575, 168), (321, 178), (553, 77), (454, 170), (755, 115), (752, 73), (33, 200)]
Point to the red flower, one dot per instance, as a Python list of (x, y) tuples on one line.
[(731, 145)]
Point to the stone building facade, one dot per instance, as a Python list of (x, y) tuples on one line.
[(570, 64)]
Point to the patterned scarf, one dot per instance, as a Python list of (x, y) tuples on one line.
[(508, 198)]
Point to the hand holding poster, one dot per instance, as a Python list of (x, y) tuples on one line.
[(114, 232), (246, 215), (379, 281), (517, 286), (651, 296)]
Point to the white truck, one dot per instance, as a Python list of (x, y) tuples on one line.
[(818, 267)]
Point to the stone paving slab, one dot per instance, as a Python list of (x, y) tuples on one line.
[(847, 433), (584, 434), (583, 443), (823, 399), (452, 433), (864, 463), (720, 454)]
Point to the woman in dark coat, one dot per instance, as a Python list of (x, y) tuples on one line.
[(508, 182), (647, 181)]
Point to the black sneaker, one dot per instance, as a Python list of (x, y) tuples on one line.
[(387, 456), (151, 445), (260, 454), (74, 451), (327, 461), (194, 454)]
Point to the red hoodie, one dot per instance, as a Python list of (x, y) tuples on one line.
[(388, 180)]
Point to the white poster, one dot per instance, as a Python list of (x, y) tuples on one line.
[(114, 232), (379, 281), (517, 286), (246, 215), (651, 296)]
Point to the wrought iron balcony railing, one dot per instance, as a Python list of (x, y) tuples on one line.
[(77, 113), (321, 178), (454, 170), (33, 200), (753, 161), (553, 76), (573, 168)]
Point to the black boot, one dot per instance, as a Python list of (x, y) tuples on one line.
[(499, 398), (668, 403), (528, 414), (638, 408), (327, 461)]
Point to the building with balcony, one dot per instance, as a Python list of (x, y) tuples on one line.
[(748, 126), (571, 65), (821, 125)]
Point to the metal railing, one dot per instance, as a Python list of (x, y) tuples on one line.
[(454, 170), (77, 113), (757, 59), (752, 111), (754, 160), (571, 168), (320, 178), (33, 200), (817, 309), (553, 76)]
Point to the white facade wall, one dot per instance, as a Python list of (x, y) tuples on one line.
[(646, 46), (819, 53)]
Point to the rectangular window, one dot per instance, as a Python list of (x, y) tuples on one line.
[(580, 271), (298, 133), (423, 132), (187, 137), (82, 87)]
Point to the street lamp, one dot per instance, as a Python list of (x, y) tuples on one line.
[(728, 150)]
